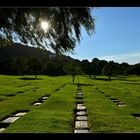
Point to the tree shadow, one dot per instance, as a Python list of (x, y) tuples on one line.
[(115, 78), (102, 79), (132, 83), (27, 78), (82, 84), (10, 95), (124, 79)]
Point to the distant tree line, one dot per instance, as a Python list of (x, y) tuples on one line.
[(59, 65)]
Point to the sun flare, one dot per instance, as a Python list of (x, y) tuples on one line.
[(45, 25)]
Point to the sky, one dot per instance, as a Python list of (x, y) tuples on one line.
[(116, 37)]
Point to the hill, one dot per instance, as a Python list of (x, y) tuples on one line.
[(19, 50)]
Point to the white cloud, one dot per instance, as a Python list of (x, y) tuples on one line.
[(131, 58)]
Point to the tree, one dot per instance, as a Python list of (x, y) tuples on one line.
[(65, 26), (134, 69), (124, 66), (109, 69), (53, 68), (101, 64), (35, 67), (95, 64), (73, 69), (20, 65), (86, 67), (5, 66)]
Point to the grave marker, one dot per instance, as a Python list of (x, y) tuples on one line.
[(81, 124), (37, 103), (81, 113), (81, 118), (10, 119), (81, 131)]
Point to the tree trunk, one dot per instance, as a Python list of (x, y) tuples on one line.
[(73, 78), (23, 76), (35, 76), (109, 77)]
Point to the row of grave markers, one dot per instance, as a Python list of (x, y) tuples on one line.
[(81, 116), (11, 119), (81, 119), (40, 100), (121, 104), (115, 100), (16, 115)]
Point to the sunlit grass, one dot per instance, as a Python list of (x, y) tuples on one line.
[(55, 115)]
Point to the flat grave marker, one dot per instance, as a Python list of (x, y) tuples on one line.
[(81, 124), (20, 114), (10, 119), (121, 104), (81, 118), (81, 113), (37, 103), (81, 131), (81, 107), (45, 97), (2, 129), (137, 116)]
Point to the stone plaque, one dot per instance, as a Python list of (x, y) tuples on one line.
[(81, 131), (81, 124), (10, 119)]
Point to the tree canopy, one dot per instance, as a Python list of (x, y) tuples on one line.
[(73, 68), (65, 26)]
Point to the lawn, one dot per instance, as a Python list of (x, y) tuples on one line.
[(56, 114)]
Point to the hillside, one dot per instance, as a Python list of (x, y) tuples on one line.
[(19, 50)]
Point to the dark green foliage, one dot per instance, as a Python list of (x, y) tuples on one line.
[(24, 24), (20, 65), (124, 67), (101, 64), (34, 66), (95, 66), (135, 69), (19, 60), (110, 69), (14, 61), (73, 69), (86, 67)]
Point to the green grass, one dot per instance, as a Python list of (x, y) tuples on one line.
[(106, 116), (58, 107), (55, 115)]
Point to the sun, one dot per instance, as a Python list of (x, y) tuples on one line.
[(45, 25)]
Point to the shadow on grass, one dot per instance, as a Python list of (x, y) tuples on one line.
[(102, 79), (20, 92), (132, 83), (10, 95), (27, 78), (116, 78), (123, 79), (82, 84)]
